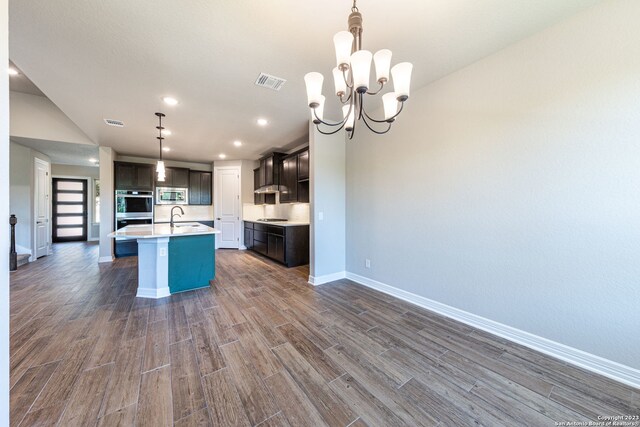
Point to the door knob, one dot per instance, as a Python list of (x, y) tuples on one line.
[(218, 219)]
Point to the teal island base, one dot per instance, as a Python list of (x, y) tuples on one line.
[(192, 262), (168, 265)]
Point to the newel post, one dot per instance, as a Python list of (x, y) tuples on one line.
[(13, 256)]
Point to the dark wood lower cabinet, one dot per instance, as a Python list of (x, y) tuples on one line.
[(288, 245)]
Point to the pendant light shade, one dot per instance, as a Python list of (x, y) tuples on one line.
[(390, 104), (360, 69), (382, 60), (319, 111), (402, 79), (160, 170), (350, 121), (343, 42), (313, 82), (339, 83)]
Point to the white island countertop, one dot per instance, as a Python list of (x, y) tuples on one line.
[(152, 231)]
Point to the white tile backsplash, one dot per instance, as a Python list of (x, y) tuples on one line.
[(297, 212), (162, 213)]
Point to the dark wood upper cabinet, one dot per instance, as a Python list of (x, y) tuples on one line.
[(267, 174), (258, 199), (289, 180), (199, 188), (175, 177), (180, 177), (133, 176), (303, 165)]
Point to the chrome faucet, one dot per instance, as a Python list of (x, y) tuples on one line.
[(172, 215)]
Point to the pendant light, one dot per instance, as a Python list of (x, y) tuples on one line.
[(160, 165)]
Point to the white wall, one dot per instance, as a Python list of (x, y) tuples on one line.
[(327, 195), (4, 214), (107, 200), (36, 117), (21, 194), (509, 189)]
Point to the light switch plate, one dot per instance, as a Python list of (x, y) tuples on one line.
[(320, 216)]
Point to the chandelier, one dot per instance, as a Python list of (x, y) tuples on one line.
[(160, 165), (351, 80)]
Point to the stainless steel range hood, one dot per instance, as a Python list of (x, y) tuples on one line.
[(268, 189)]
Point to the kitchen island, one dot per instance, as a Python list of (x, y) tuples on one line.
[(172, 259)]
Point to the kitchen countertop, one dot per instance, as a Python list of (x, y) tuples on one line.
[(163, 230), (279, 223)]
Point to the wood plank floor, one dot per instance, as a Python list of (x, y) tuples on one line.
[(262, 347)]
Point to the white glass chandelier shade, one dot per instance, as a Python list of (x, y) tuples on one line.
[(382, 61), (339, 82), (360, 69), (402, 79), (318, 115), (313, 82), (352, 117), (390, 104), (343, 41)]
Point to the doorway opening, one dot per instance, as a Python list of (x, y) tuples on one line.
[(69, 210)]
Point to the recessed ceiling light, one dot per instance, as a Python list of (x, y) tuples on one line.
[(222, 156), (237, 143), (165, 149), (170, 101), (166, 132), (12, 71), (92, 160), (263, 122)]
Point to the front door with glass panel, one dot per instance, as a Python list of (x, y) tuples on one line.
[(69, 210)]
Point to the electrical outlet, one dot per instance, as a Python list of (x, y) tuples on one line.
[(163, 252), (367, 263)]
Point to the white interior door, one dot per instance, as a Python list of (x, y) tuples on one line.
[(227, 206), (41, 208)]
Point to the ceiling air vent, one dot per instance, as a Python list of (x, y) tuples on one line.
[(270, 82), (116, 123)]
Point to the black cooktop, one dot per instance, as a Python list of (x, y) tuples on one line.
[(272, 219)]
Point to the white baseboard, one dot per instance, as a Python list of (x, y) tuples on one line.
[(105, 259), (608, 368), (242, 248), (23, 250), (154, 293), (320, 280), (93, 239)]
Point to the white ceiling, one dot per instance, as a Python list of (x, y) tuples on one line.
[(116, 59)]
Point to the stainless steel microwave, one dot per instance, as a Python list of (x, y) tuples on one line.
[(172, 196)]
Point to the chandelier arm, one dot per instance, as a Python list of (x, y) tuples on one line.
[(327, 123), (346, 81), (376, 131), (379, 89), (344, 101), (329, 133), (386, 120)]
